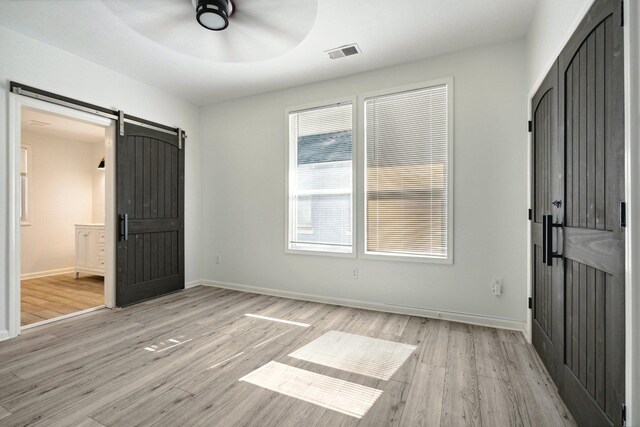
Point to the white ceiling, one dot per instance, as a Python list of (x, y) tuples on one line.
[(388, 32), (61, 127)]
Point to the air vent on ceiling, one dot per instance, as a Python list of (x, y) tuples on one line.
[(37, 123), (342, 51)]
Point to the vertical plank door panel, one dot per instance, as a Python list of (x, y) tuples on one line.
[(591, 130), (544, 139), (150, 191)]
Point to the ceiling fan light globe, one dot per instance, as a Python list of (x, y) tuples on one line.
[(212, 21), (213, 14)]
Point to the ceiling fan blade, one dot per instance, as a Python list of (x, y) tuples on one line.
[(258, 29)]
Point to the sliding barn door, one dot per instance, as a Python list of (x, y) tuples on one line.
[(592, 107), (150, 208)]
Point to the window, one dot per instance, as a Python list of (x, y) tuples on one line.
[(320, 179), (24, 185), (407, 174)]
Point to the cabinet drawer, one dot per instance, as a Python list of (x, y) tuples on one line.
[(101, 236)]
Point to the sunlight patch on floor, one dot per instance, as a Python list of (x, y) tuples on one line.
[(168, 344), (356, 353), (342, 396), (226, 360), (273, 319)]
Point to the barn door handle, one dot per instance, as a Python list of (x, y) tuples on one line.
[(547, 240), (124, 227)]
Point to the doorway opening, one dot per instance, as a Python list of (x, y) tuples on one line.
[(144, 241), (63, 174), (62, 194)]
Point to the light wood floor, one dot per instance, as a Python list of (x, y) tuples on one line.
[(54, 296), (99, 369)]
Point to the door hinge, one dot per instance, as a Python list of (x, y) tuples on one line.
[(529, 125), (121, 122), (622, 13), (530, 303), (530, 214), (623, 214), (623, 415)]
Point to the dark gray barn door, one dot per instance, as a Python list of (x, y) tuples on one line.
[(150, 207), (547, 309), (592, 107)]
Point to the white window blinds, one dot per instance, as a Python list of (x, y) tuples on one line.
[(406, 137), (320, 179)]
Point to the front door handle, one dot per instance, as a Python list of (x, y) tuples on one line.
[(124, 227), (547, 240), (544, 239)]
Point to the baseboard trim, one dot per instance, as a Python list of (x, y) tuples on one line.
[(192, 284), (4, 335), (494, 322), (46, 273)]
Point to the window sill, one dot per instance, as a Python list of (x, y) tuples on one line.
[(407, 258), (290, 251)]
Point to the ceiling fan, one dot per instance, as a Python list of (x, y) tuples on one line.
[(257, 29)]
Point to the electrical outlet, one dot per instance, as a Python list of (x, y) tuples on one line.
[(218, 259), (496, 286), (354, 273)]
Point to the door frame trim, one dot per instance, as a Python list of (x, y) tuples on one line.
[(631, 38), (16, 103)]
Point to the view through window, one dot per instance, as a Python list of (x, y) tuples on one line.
[(320, 179)]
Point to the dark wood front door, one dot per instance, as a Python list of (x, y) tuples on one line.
[(592, 104), (150, 208), (547, 308), (578, 291)]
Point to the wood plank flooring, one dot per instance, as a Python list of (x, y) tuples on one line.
[(49, 297), (176, 360)]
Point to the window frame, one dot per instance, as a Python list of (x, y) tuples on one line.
[(289, 157), (26, 221), (362, 198)]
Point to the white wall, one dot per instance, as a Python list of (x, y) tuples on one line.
[(244, 193), (551, 25), (99, 186), (61, 175), (37, 64)]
